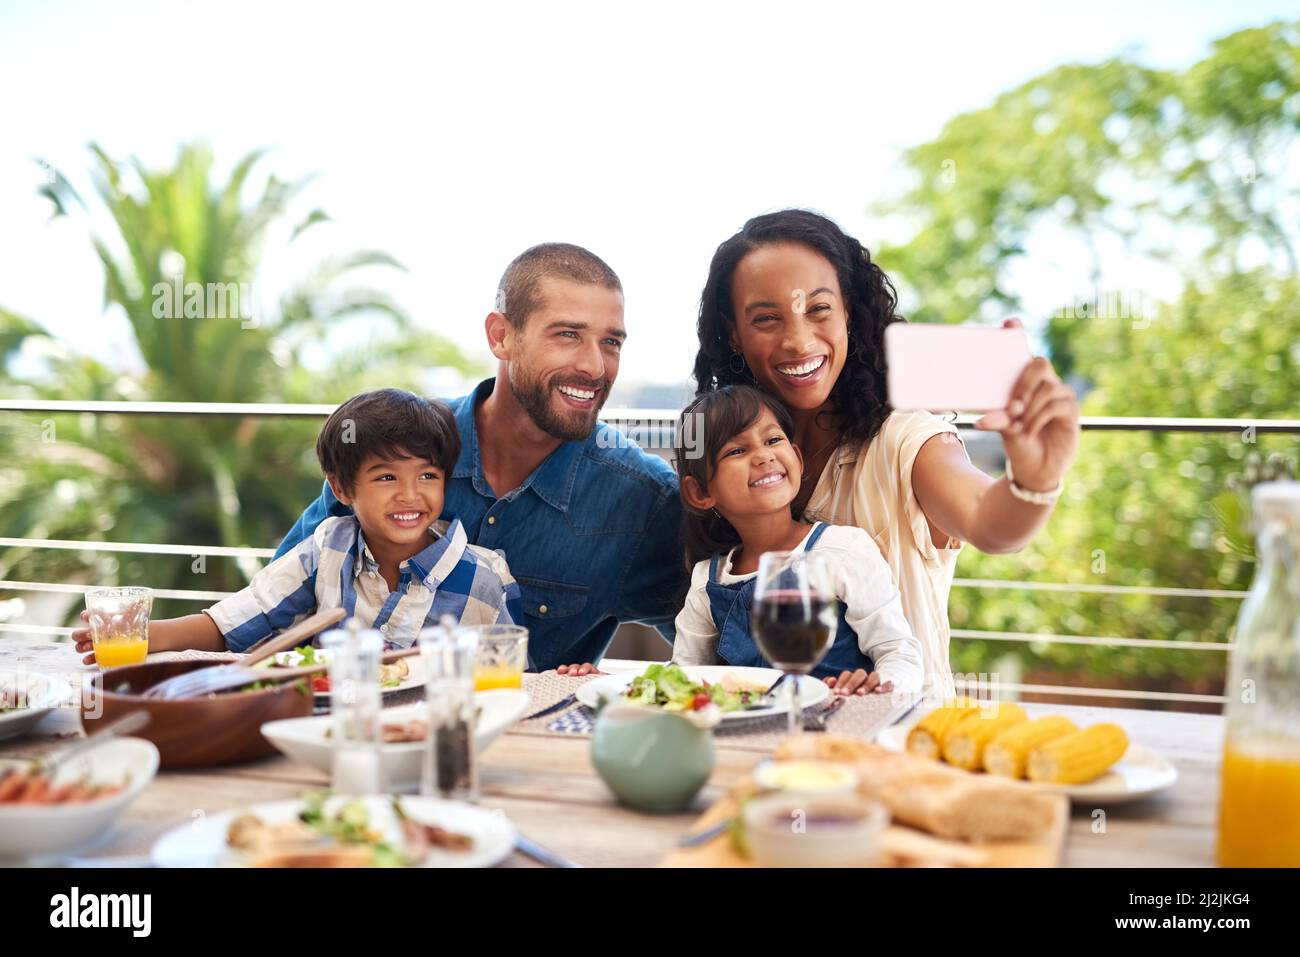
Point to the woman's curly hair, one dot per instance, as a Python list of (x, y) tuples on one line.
[(858, 397)]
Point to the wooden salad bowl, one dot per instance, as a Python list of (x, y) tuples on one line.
[(195, 732)]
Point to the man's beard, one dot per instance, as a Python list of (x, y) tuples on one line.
[(534, 397)]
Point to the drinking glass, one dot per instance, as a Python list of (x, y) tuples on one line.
[(501, 658), (794, 618), (357, 708), (119, 625)]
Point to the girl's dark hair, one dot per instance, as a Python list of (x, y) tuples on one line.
[(858, 397), (706, 425)]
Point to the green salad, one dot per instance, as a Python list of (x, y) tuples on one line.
[(671, 688)]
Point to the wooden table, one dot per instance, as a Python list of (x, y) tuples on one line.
[(547, 786)]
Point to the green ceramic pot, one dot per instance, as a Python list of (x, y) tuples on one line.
[(652, 760)]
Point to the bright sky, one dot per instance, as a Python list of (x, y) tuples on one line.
[(456, 136)]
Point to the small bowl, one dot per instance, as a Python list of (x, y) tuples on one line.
[(807, 777), (33, 830), (814, 830), (304, 739), (194, 732)]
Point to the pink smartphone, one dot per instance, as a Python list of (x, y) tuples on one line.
[(943, 368)]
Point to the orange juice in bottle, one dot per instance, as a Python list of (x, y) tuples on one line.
[(1259, 806), (1259, 824)]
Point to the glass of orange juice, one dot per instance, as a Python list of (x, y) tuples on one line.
[(119, 625), (501, 658)]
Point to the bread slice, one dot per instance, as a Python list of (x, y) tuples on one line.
[(944, 801)]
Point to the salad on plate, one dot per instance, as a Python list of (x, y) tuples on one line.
[(671, 688)]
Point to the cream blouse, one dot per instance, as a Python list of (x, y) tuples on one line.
[(871, 488)]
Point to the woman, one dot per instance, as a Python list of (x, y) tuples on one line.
[(797, 308)]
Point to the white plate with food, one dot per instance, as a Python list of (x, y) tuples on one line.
[(1138, 773), (75, 807), (402, 755), (403, 674), (337, 831), (28, 696), (738, 692)]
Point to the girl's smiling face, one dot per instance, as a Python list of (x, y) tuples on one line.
[(756, 472), (791, 323)]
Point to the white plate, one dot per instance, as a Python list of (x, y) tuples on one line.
[(304, 738), (1139, 773), (41, 693), (812, 691), (31, 830), (203, 844), (292, 659)]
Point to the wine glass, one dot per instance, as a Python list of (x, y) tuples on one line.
[(794, 618)]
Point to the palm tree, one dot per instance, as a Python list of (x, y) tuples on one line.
[(196, 481)]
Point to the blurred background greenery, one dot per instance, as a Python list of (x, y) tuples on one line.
[(1187, 170), (1184, 168), (207, 481)]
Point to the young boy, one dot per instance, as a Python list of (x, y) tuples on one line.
[(394, 564)]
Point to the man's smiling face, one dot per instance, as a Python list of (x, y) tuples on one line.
[(564, 357)]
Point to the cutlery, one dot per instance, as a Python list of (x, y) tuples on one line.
[(704, 835), (286, 674), (551, 709), (127, 724), (910, 709), (772, 688), (817, 722), (540, 854), (194, 684)]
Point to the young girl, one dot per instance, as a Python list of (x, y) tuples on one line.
[(737, 485)]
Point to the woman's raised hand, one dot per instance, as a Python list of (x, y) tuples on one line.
[(1039, 426)]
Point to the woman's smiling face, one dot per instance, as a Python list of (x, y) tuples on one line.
[(756, 472), (791, 323)]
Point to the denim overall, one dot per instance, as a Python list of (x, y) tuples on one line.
[(730, 606)]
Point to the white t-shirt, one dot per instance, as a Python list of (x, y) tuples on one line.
[(860, 579)]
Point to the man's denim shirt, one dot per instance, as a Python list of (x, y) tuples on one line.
[(592, 536)]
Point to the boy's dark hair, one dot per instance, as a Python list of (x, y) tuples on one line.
[(711, 421), (517, 294), (390, 423)]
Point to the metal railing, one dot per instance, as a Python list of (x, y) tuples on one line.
[(657, 426)]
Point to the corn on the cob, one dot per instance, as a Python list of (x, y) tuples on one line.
[(926, 739), (1005, 755), (1079, 757), (963, 745)]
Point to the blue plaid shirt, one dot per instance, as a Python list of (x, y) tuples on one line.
[(593, 536), (333, 568)]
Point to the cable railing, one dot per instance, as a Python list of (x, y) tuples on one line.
[(655, 428)]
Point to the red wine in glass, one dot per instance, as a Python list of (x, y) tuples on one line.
[(793, 629), (793, 619)]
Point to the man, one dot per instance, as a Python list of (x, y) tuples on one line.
[(588, 525)]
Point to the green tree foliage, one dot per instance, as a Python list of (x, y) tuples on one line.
[(1188, 168), (235, 481)]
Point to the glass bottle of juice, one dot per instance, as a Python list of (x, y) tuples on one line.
[(1259, 806)]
